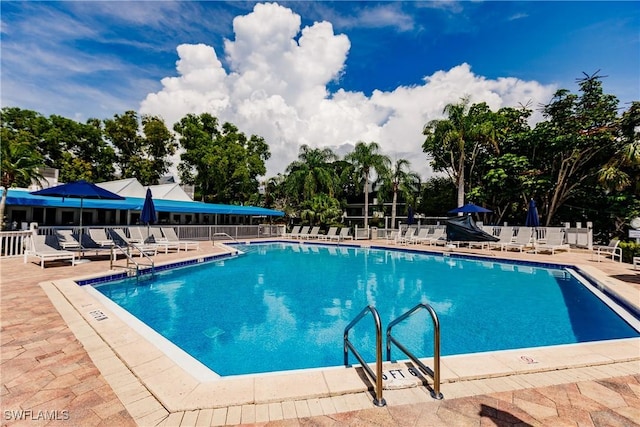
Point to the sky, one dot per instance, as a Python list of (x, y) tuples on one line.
[(325, 74)]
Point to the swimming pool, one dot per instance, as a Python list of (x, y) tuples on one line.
[(284, 306)]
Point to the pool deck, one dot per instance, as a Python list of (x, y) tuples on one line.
[(68, 356)]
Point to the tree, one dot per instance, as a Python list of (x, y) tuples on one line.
[(367, 159), (399, 179), (141, 156), (621, 170), (321, 209), (21, 162), (578, 137), (455, 143), (312, 173), (220, 161)]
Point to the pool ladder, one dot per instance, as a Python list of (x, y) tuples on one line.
[(132, 267), (377, 376)]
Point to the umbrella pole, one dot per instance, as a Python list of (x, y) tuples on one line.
[(81, 247)]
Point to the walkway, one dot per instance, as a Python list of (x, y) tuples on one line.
[(47, 373)]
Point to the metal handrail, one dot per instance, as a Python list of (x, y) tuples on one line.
[(222, 234), (435, 373), (377, 377), (130, 260)]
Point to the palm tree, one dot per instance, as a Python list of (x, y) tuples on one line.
[(614, 174), (312, 172), (366, 158), (399, 179), (455, 142), (21, 164)]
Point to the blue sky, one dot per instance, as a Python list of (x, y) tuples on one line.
[(320, 73)]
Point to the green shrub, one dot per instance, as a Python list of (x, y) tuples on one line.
[(629, 250)]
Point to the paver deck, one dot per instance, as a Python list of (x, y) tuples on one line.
[(57, 370)]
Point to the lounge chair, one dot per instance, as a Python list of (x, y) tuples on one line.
[(295, 230), (313, 234), (612, 249), (505, 236), (344, 234), (171, 236), (138, 234), (333, 232), (407, 236), (121, 239), (66, 239), (47, 249), (303, 232), (522, 240), (438, 236), (99, 236), (422, 235), (554, 241)]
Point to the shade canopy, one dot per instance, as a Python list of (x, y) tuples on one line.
[(470, 208), (148, 214), (533, 220)]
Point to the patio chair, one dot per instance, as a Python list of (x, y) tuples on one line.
[(156, 237), (505, 236), (99, 236), (138, 235), (438, 236), (522, 240), (422, 235), (171, 236), (295, 230), (122, 240), (407, 236), (554, 241), (344, 234), (303, 232), (66, 239), (47, 249), (333, 232), (612, 249), (313, 234)]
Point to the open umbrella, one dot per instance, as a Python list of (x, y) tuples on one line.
[(78, 190), (470, 208), (533, 220), (148, 214)]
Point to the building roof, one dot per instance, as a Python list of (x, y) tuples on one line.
[(22, 197)]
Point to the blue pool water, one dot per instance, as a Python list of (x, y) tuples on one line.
[(285, 306)]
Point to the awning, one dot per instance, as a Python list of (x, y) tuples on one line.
[(18, 197)]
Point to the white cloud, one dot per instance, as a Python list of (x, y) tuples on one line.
[(276, 87)]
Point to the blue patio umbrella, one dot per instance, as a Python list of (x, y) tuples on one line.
[(148, 214), (470, 208), (410, 216), (78, 190), (533, 220)]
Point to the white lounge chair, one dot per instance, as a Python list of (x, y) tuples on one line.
[(612, 249), (505, 236), (66, 239), (99, 236), (422, 235), (407, 236), (121, 239), (344, 234), (303, 232), (522, 240), (554, 241), (294, 230), (171, 236), (156, 237), (333, 232), (46, 248), (313, 234), (438, 236)]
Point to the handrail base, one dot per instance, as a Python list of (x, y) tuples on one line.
[(379, 403)]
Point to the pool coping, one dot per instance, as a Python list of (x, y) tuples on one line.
[(152, 386)]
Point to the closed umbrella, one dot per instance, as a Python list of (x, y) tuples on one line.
[(148, 214), (410, 216), (78, 190), (533, 220)]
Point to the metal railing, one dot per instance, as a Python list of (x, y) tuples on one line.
[(115, 249), (435, 373), (377, 376)]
